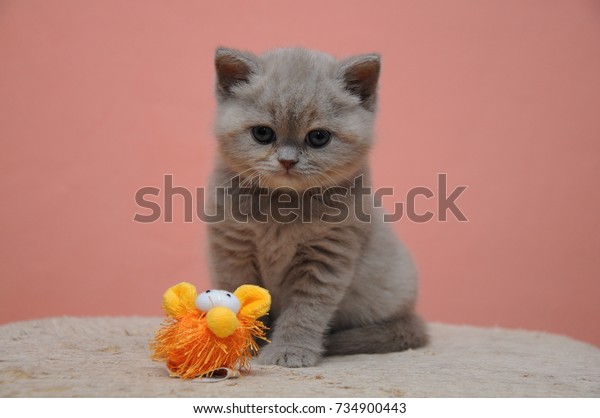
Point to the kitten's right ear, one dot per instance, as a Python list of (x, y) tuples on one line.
[(359, 75), (233, 68)]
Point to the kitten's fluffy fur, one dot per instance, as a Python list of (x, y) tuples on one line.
[(337, 288)]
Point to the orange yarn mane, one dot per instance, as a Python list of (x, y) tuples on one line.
[(190, 349)]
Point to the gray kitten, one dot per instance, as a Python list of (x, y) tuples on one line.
[(298, 121)]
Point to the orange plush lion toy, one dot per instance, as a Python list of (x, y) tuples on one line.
[(212, 331)]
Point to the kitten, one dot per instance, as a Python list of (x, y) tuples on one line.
[(296, 119)]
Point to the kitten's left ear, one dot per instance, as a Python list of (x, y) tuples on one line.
[(233, 68), (360, 75)]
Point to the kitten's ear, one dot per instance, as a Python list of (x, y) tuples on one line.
[(359, 75), (233, 68)]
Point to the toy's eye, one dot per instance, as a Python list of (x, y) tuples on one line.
[(211, 298)]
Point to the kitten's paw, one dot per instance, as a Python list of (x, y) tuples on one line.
[(288, 356)]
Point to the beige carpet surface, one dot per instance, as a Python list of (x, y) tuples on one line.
[(109, 357)]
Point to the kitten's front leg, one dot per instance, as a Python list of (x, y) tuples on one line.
[(313, 288)]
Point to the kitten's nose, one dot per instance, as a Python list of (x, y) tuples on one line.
[(287, 163)]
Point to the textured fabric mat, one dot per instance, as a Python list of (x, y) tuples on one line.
[(109, 357)]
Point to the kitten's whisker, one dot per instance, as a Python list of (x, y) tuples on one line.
[(234, 176), (342, 175), (315, 178)]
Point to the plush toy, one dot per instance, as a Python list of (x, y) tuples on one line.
[(212, 331)]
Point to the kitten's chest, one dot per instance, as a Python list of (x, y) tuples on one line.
[(276, 245), (276, 237)]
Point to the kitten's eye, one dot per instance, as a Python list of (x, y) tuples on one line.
[(263, 134), (318, 138)]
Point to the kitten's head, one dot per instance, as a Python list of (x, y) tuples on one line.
[(295, 118)]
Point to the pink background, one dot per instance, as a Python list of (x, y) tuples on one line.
[(98, 99)]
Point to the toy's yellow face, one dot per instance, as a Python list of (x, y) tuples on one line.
[(222, 308)]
